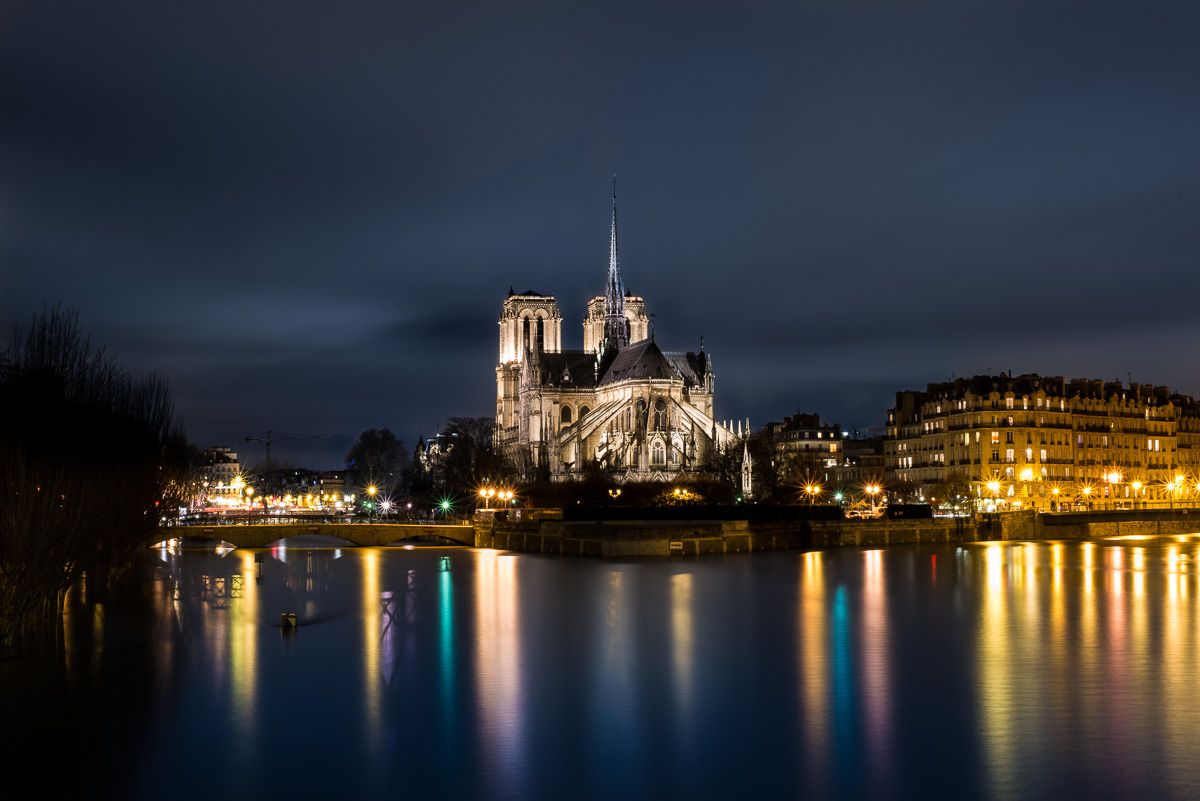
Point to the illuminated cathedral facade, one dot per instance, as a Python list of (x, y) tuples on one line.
[(621, 404)]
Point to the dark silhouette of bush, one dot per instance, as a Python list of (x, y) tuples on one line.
[(89, 459)]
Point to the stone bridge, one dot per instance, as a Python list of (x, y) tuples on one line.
[(259, 535)]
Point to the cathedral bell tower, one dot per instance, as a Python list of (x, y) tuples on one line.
[(530, 324)]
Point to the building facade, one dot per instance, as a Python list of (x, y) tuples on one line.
[(803, 442), (621, 404), (1044, 443)]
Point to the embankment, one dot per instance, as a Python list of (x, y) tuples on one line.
[(630, 538)]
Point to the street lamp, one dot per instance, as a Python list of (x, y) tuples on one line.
[(872, 491), (1112, 478), (812, 490), (993, 487), (487, 493)]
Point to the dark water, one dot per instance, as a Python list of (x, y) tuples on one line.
[(991, 671)]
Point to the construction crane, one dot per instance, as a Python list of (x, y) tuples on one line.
[(272, 436)]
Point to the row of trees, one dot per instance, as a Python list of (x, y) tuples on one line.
[(88, 456), (451, 466)]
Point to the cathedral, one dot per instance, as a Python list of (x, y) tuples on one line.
[(621, 404)]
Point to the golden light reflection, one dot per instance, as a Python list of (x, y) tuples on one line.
[(1139, 573), (1058, 615), (1114, 575), (995, 674), (615, 659), (371, 614), (243, 644), (1028, 582), (1138, 626), (1089, 563), (1056, 566), (813, 657), (682, 648), (498, 661), (876, 673), (1178, 661)]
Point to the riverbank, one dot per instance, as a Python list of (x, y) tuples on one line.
[(627, 534), (665, 538)]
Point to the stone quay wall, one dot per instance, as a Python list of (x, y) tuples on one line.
[(632, 538)]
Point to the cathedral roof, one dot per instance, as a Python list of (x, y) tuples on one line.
[(640, 360), (569, 368), (690, 366)]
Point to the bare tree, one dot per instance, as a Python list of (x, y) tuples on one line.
[(89, 458)]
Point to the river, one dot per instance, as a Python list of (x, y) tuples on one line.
[(990, 671)]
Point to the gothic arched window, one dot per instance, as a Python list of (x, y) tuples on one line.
[(660, 415), (564, 414), (583, 410), (658, 454)]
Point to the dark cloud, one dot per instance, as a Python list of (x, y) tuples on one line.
[(307, 215)]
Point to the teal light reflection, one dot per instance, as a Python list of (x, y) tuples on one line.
[(446, 648)]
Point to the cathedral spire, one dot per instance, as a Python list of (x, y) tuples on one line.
[(616, 327)]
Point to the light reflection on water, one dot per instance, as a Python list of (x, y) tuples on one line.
[(1022, 670)]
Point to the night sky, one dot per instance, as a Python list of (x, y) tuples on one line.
[(306, 215)]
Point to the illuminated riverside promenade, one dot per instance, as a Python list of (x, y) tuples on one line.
[(628, 535), (993, 671)]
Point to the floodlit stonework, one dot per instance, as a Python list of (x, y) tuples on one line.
[(621, 403)]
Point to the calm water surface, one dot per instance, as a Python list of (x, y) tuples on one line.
[(996, 671)]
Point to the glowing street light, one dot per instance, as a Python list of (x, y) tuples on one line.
[(873, 491), (812, 491)]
